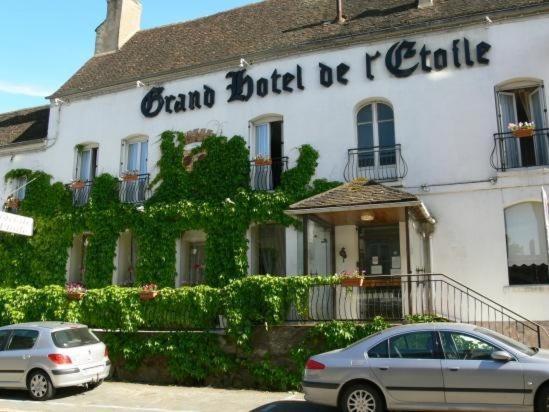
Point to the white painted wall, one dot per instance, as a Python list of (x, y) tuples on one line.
[(444, 121)]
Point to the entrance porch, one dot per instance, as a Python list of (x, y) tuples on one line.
[(364, 228)]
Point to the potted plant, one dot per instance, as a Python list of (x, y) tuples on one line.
[(12, 202), (521, 129), (148, 292), (263, 161), (78, 184), (130, 175), (355, 279), (75, 291)]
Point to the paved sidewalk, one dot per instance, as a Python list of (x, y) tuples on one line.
[(115, 396)]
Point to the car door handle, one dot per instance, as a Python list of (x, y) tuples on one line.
[(383, 368), (454, 368), (26, 356)]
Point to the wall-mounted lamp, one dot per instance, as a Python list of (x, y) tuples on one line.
[(343, 253), (367, 216)]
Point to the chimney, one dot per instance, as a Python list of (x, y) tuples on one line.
[(122, 22), (340, 16), (423, 4)]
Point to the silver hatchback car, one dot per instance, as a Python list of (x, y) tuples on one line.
[(43, 356), (428, 367)]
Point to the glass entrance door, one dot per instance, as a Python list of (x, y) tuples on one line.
[(379, 248), (379, 254)]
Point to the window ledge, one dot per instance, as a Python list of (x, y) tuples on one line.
[(533, 170), (541, 288)]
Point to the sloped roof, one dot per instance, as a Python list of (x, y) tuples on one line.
[(275, 28), (24, 125), (356, 193)]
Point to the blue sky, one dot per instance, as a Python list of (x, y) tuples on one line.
[(45, 41)]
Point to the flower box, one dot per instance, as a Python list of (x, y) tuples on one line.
[(78, 184), (75, 295), (261, 161), (147, 295), (13, 203), (523, 133), (357, 282), (130, 177)]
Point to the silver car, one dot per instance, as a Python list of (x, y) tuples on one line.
[(43, 356), (427, 367)]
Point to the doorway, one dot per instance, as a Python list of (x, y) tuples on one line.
[(379, 254), (379, 249)]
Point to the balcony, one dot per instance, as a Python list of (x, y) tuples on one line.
[(380, 163), (81, 191), (134, 188), (512, 152), (266, 174)]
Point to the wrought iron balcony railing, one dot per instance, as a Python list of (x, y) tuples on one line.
[(134, 189), (81, 191), (512, 152), (379, 163), (266, 174)]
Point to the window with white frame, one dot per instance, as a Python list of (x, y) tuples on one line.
[(376, 135), (526, 244), (522, 101), (86, 162), (135, 155), (268, 161)]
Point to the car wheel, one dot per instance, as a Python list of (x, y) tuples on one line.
[(542, 400), (40, 386), (361, 398)]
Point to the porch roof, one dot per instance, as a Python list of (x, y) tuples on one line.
[(360, 195)]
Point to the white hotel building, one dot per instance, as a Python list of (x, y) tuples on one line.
[(414, 95)]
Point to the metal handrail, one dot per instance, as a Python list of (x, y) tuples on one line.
[(380, 163), (397, 296), (507, 153), (136, 190), (266, 174), (81, 195)]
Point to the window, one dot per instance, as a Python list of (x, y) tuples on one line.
[(22, 339), (376, 135), (459, 346), (77, 263), (522, 102), (268, 161), (4, 336), (319, 248), (127, 258), (526, 244), (269, 250), (416, 345), (381, 350), (86, 164), (73, 338), (136, 156)]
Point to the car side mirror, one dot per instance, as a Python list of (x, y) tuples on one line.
[(501, 355)]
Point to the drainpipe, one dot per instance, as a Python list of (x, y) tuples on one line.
[(340, 16)]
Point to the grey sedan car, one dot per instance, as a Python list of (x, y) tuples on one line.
[(428, 367), (43, 356)]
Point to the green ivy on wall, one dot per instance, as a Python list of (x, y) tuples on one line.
[(213, 195)]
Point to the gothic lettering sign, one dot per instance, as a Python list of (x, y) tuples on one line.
[(402, 59)]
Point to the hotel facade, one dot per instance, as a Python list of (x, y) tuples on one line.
[(408, 104)]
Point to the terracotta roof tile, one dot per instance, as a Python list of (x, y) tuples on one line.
[(24, 125), (273, 28), (356, 193)]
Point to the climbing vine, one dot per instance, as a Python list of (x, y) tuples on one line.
[(211, 193)]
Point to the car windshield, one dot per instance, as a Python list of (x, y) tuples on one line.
[(508, 341), (72, 338)]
